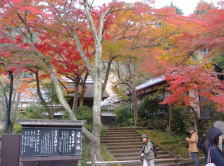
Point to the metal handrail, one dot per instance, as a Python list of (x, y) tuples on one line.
[(123, 162)]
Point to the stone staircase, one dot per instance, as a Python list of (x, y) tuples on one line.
[(125, 143)]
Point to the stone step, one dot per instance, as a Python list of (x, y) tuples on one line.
[(136, 154), (111, 137), (126, 135), (166, 160), (118, 147), (121, 141), (121, 129), (125, 144), (130, 154), (131, 148), (121, 132)]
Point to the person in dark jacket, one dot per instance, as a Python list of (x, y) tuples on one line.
[(147, 151), (211, 144)]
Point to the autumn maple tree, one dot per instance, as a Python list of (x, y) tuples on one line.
[(190, 73)]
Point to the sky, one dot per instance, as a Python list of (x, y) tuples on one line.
[(187, 6)]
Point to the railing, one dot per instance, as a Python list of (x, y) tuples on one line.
[(133, 161), (122, 162), (113, 162)]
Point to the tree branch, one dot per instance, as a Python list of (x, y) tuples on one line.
[(91, 22), (102, 17), (27, 27), (82, 53), (107, 73)]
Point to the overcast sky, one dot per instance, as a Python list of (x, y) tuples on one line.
[(187, 6)]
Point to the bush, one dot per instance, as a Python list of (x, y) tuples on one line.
[(85, 113), (82, 113), (182, 119), (204, 124), (124, 116), (17, 128), (157, 124), (148, 109), (33, 112), (152, 114)]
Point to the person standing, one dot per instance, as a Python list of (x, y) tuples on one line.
[(212, 149), (147, 152), (193, 149)]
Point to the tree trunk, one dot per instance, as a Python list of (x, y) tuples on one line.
[(82, 94), (83, 90), (107, 74), (97, 125), (195, 118), (16, 102), (95, 151), (76, 94), (8, 124), (170, 120), (96, 73), (42, 100), (135, 104), (50, 69)]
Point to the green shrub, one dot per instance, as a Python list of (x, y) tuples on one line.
[(34, 111), (124, 116), (157, 124), (17, 128), (85, 113), (204, 124), (152, 114), (182, 119)]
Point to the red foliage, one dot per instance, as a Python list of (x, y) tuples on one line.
[(197, 80)]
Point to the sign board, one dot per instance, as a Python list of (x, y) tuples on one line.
[(51, 138), (51, 141)]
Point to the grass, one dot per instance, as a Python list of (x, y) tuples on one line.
[(175, 144), (85, 152)]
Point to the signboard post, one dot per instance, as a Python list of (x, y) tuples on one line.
[(47, 141), (10, 151)]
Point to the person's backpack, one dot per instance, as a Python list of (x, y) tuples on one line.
[(154, 150), (200, 142)]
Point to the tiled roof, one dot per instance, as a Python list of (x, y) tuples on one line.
[(110, 101), (150, 82)]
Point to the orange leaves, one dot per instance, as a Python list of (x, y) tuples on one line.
[(22, 87), (151, 62)]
